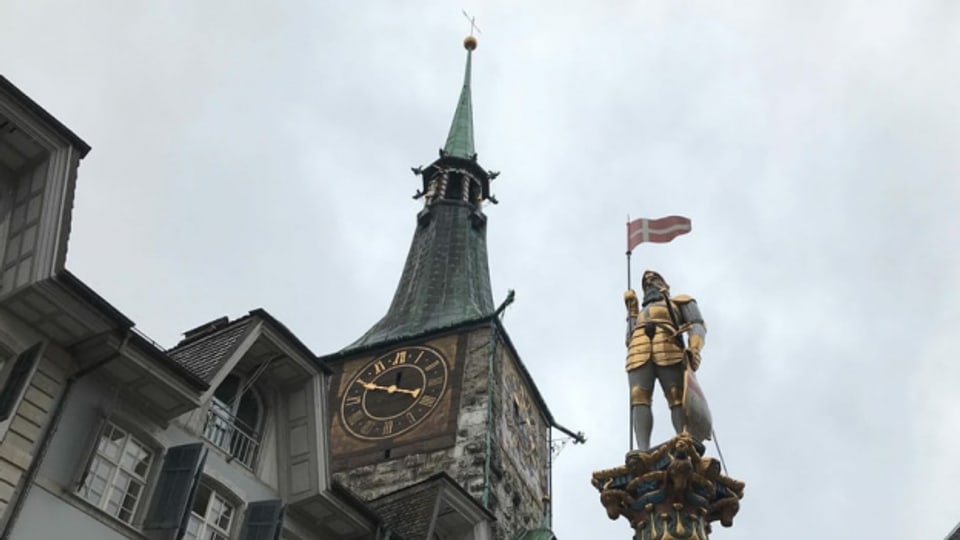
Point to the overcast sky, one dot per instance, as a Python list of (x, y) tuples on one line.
[(256, 154)]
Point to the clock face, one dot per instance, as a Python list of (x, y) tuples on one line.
[(393, 393)]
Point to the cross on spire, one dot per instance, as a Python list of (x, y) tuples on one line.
[(473, 22)]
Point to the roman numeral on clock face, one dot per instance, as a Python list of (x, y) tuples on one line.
[(355, 417)]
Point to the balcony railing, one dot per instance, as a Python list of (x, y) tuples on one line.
[(232, 435)]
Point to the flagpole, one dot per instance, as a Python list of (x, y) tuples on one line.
[(629, 252), (630, 414)]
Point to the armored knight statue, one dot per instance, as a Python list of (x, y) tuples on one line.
[(656, 351), (673, 490)]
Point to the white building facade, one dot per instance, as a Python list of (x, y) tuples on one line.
[(106, 435)]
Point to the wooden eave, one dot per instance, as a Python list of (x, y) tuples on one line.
[(141, 372), (15, 96)]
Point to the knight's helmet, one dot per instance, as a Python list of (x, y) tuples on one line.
[(649, 276)]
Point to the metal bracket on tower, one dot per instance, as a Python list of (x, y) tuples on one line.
[(478, 219), (423, 217)]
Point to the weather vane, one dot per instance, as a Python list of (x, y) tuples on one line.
[(473, 22)]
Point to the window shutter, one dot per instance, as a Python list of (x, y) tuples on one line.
[(17, 379), (89, 450), (302, 461), (176, 489), (264, 520)]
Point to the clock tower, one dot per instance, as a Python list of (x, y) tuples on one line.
[(435, 389)]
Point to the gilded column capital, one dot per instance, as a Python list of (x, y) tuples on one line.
[(670, 492)]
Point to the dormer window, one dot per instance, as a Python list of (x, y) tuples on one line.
[(234, 419)]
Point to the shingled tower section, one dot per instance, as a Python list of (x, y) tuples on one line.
[(446, 280)]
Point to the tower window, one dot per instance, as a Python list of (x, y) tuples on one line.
[(454, 187)]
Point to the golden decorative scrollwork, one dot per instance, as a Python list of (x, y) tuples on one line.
[(671, 492)]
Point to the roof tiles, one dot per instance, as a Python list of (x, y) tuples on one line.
[(445, 281), (203, 356)]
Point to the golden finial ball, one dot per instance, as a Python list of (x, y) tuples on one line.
[(469, 43)]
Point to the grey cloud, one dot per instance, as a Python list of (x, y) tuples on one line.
[(257, 155)]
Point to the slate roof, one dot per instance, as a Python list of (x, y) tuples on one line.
[(408, 511), (460, 139), (205, 354), (538, 534), (445, 281)]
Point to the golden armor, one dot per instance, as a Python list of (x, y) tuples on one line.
[(653, 337)]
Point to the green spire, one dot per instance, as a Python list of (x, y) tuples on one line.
[(460, 139)]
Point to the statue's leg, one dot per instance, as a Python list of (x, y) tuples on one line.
[(641, 395), (671, 381)]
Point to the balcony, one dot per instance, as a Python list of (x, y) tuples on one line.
[(232, 435)]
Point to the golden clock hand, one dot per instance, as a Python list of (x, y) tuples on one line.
[(365, 384), (415, 392), (372, 386), (392, 389)]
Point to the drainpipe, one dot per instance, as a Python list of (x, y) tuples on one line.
[(548, 500), (490, 383), (31, 473)]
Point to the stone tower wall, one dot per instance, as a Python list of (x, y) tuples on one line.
[(512, 497)]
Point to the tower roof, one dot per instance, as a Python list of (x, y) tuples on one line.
[(446, 279), (460, 139)]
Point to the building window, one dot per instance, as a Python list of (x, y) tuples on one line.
[(233, 420), (115, 479), (211, 516)]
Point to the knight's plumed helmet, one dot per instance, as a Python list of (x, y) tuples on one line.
[(653, 278)]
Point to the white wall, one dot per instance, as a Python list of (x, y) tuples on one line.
[(90, 400), (45, 517)]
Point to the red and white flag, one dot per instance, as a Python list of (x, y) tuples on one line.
[(656, 230)]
